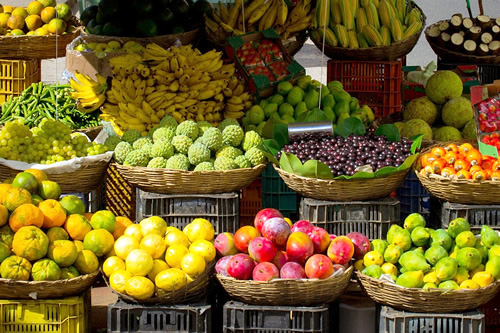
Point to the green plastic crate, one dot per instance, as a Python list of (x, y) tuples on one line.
[(276, 194)]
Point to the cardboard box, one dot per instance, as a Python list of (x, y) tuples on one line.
[(260, 84)]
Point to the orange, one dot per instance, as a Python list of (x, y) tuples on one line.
[(63, 252), (17, 32), (57, 233), (19, 11), (124, 245), (57, 26), (153, 224), (86, 262), (77, 226), (63, 11), (158, 266), (4, 215), (118, 279), (15, 22), (134, 230), (47, 14), (174, 255), (41, 32), (54, 214), (36, 199), (39, 174), (8, 9), (4, 17), (99, 241), (112, 264), (199, 229), (3, 190), (175, 236), (139, 287), (72, 204), (47, 3), (49, 189), (122, 223), (193, 264), (30, 243), (45, 270), (69, 273), (103, 219), (6, 235), (88, 215), (35, 8), (26, 215), (8, 180), (204, 248), (171, 279), (139, 262), (79, 245), (15, 268), (154, 245), (16, 197)]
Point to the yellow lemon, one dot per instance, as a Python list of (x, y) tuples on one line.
[(204, 248), (158, 266), (193, 264), (174, 255), (153, 225), (373, 258), (112, 264), (139, 262), (139, 287), (134, 230), (118, 279), (175, 236), (154, 245), (124, 244), (171, 279), (469, 284), (199, 229)]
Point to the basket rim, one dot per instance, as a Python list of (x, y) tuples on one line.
[(85, 34), (56, 282), (78, 30), (431, 292), (175, 171), (451, 53)]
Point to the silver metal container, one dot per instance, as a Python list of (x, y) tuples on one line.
[(305, 131)]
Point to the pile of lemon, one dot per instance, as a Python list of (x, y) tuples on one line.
[(40, 18), (151, 258)]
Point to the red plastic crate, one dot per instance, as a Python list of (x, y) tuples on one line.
[(250, 202), (376, 83)]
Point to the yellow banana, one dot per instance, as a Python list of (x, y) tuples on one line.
[(259, 12)]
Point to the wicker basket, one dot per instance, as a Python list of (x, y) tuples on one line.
[(190, 293), (464, 191), (15, 289), (37, 47), (83, 180), (91, 132), (458, 57), (343, 190), (169, 181), (394, 51), (419, 300), (301, 292)]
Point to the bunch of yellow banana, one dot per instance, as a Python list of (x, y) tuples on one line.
[(180, 81), (235, 19), (88, 94), (238, 101)]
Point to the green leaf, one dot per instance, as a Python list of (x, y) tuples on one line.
[(351, 125), (408, 162), (417, 142), (295, 163), (343, 177), (285, 163), (312, 115), (390, 131), (385, 171), (270, 149), (280, 134), (363, 175), (316, 169)]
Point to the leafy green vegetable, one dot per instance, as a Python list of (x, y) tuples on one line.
[(351, 125)]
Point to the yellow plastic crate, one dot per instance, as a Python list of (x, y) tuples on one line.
[(66, 315), (17, 75)]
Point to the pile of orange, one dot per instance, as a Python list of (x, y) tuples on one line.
[(45, 237), (460, 162)]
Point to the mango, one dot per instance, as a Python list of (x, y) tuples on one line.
[(389, 268), (429, 285), (358, 265), (420, 236), (328, 100), (442, 238), (402, 239), (446, 268), (334, 85), (469, 284), (341, 96), (450, 284), (373, 258), (483, 250), (435, 253), (392, 231), (340, 108), (483, 279), (378, 245), (312, 99), (412, 221), (462, 275), (392, 253), (489, 237), (413, 279), (465, 239), (414, 261), (469, 257), (457, 226), (494, 251), (480, 268), (431, 277), (375, 271), (493, 267)]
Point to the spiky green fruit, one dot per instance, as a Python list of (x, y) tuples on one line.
[(181, 143)]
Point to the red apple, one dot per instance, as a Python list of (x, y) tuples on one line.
[(264, 215), (265, 271), (292, 270), (319, 266), (243, 236), (221, 265), (299, 247), (302, 226), (320, 239), (276, 230), (240, 266), (224, 244), (361, 244), (261, 249), (280, 259)]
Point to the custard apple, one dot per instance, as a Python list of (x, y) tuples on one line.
[(242, 162), (158, 163), (112, 141), (121, 151), (203, 126), (169, 122), (198, 153), (232, 135), (146, 149), (255, 156), (226, 122), (136, 158), (131, 135), (251, 139), (188, 128), (212, 138), (228, 151), (181, 143), (204, 166), (141, 142), (163, 133), (178, 162), (163, 149), (224, 163)]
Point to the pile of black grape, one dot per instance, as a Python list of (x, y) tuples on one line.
[(343, 156)]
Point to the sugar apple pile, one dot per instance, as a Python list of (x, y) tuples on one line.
[(191, 146)]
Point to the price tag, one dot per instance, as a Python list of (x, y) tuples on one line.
[(488, 150)]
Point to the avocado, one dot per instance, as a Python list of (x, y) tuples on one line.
[(88, 14)]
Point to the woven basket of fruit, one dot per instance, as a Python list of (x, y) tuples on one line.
[(16, 289), (432, 300), (170, 181), (461, 175), (287, 291), (478, 45), (357, 41)]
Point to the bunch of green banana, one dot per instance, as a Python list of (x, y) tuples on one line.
[(180, 81), (88, 94), (233, 20), (364, 23)]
